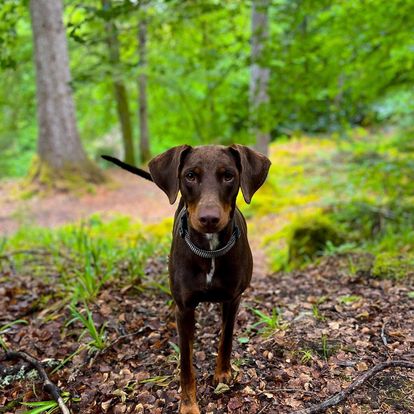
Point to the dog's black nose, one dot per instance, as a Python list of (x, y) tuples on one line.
[(209, 220)]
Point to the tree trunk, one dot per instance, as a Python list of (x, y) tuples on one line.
[(121, 95), (60, 152), (144, 142), (259, 81)]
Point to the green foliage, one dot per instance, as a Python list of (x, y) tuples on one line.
[(39, 407), (269, 323), (392, 266), (7, 326), (349, 299), (333, 64), (47, 407), (356, 189), (309, 237), (85, 317), (88, 255)]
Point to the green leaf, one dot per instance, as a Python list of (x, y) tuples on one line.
[(40, 406), (221, 388)]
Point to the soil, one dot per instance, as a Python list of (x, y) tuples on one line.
[(127, 194)]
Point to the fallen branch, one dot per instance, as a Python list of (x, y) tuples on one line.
[(48, 385), (342, 395)]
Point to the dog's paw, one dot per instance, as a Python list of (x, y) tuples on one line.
[(189, 409), (224, 377)]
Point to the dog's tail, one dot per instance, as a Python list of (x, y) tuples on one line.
[(130, 168)]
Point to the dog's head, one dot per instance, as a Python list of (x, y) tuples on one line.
[(209, 178)]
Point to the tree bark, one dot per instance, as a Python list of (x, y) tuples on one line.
[(144, 140), (120, 92), (259, 81), (60, 151)]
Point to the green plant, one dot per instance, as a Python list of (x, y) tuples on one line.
[(307, 356), (98, 336), (332, 250), (325, 347), (5, 327), (316, 312), (270, 322), (38, 407), (349, 299), (393, 266), (175, 356), (47, 407)]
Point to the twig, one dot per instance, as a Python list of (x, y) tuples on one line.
[(109, 346), (383, 335), (48, 385), (121, 338), (276, 390), (342, 395), (264, 408)]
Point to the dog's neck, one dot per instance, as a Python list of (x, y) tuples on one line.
[(211, 241)]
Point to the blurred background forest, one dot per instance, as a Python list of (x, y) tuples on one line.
[(331, 65)]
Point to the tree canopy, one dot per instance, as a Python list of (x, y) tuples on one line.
[(332, 64)]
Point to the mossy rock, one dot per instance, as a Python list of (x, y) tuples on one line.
[(309, 237), (393, 266)]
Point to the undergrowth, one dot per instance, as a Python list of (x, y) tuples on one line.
[(82, 258), (342, 194)]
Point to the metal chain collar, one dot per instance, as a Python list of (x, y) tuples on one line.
[(206, 254)]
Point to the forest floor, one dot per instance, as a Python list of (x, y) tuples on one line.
[(300, 336)]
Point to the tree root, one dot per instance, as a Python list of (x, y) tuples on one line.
[(48, 385), (342, 395)]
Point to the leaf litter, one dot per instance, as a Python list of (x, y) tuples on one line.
[(331, 327)]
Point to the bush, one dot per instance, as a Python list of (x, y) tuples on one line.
[(309, 237)]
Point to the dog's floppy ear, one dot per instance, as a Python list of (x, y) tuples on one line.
[(254, 168), (165, 169)]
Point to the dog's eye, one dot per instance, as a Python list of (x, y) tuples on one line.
[(228, 176), (190, 176)]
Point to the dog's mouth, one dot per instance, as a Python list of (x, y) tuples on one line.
[(208, 226), (208, 218)]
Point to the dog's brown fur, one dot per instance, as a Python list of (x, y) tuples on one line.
[(209, 178)]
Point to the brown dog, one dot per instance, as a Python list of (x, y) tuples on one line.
[(210, 259)]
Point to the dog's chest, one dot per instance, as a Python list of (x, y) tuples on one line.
[(213, 242)]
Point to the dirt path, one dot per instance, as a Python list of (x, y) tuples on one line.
[(129, 195)]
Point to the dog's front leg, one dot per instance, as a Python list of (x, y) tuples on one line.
[(223, 365), (186, 325)]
